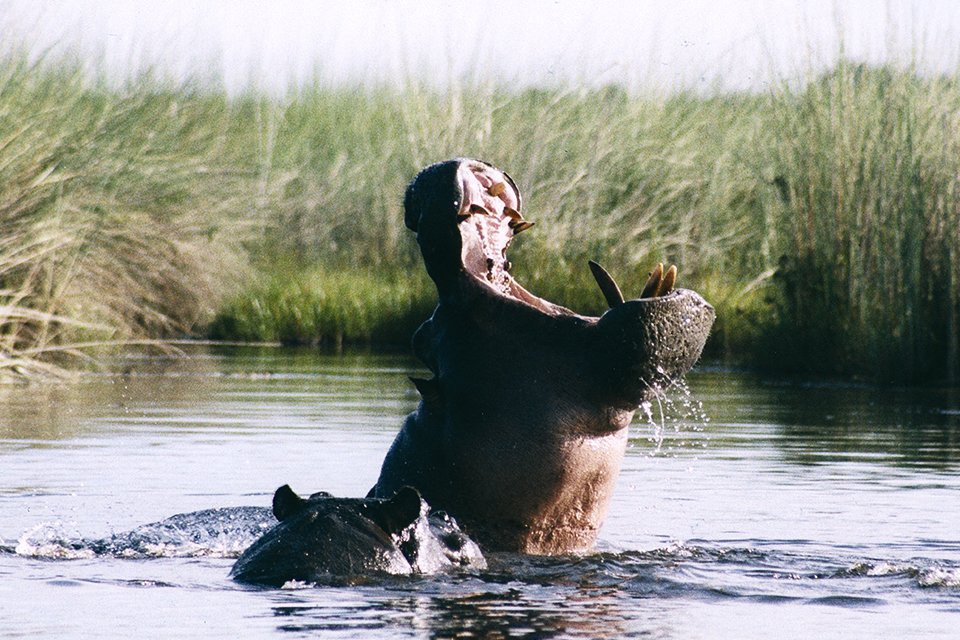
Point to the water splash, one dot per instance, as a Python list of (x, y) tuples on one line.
[(674, 409), (214, 533), (434, 542), (939, 577), (932, 576), (52, 540), (294, 585)]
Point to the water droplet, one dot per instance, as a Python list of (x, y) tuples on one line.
[(675, 409)]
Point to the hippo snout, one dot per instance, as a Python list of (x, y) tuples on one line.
[(647, 343)]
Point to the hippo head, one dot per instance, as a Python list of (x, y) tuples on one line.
[(323, 537), (521, 430), (466, 213)]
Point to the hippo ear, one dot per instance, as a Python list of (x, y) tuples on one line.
[(397, 513), (286, 503)]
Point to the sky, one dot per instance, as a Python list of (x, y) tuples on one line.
[(734, 44)]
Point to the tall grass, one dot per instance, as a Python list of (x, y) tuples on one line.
[(114, 212), (327, 308), (867, 163), (601, 170), (622, 179), (821, 220)]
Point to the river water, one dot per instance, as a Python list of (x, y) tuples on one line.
[(750, 508)]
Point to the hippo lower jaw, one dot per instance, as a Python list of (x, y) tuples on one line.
[(520, 433)]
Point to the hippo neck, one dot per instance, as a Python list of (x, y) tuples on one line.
[(562, 509)]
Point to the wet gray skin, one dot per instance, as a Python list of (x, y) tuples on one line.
[(324, 538), (521, 431)]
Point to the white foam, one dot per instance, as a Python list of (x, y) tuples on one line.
[(885, 569), (939, 577), (291, 585), (50, 540)]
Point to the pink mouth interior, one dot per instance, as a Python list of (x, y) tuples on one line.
[(486, 233)]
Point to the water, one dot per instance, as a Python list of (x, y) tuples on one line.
[(796, 511)]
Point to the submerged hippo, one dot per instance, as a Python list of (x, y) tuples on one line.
[(521, 431), (323, 537)]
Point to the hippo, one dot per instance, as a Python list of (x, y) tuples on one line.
[(322, 538), (520, 432)]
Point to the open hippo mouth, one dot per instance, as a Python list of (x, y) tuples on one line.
[(487, 210), (488, 218)]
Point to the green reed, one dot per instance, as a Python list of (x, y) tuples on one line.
[(114, 211), (327, 308), (867, 165), (821, 221)]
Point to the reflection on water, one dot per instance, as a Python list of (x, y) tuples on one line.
[(828, 422), (750, 507), (510, 612)]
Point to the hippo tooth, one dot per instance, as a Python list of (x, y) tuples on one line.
[(497, 189), (478, 209), (608, 286), (653, 282), (669, 279), (520, 225), (513, 214)]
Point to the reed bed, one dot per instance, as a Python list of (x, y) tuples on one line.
[(328, 309), (114, 213), (867, 227), (820, 218)]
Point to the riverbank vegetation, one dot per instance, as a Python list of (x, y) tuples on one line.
[(821, 218)]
